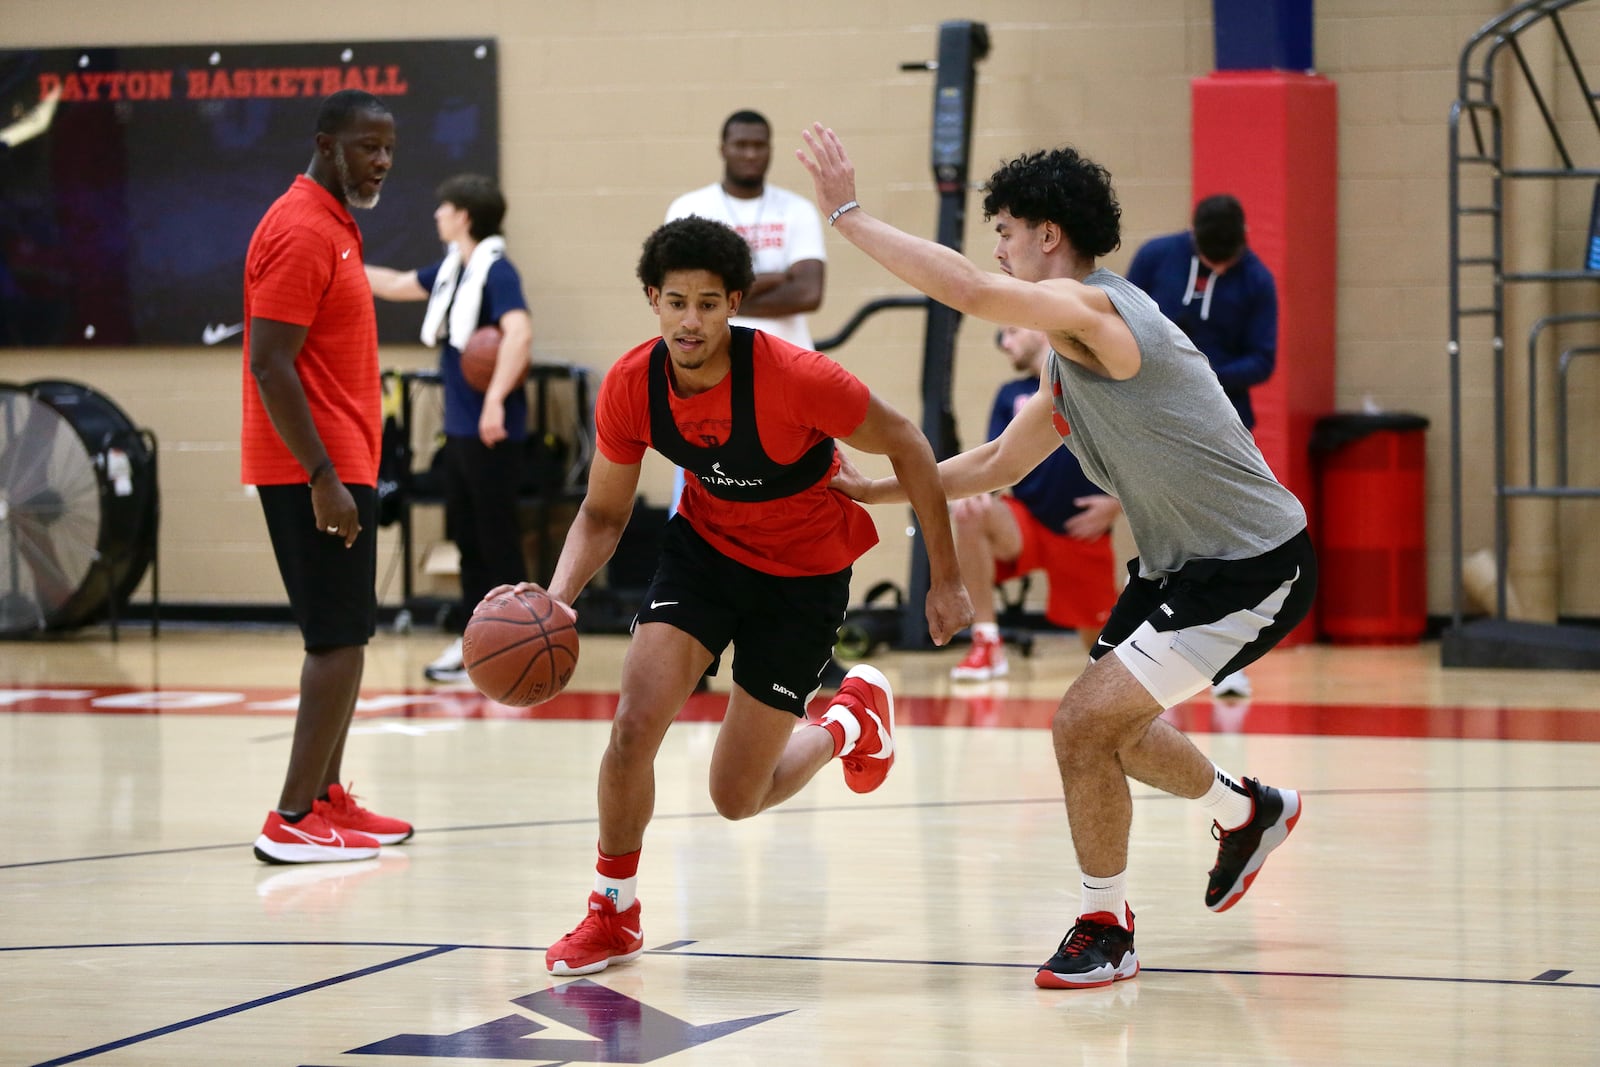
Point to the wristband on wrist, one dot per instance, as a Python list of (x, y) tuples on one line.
[(848, 205), (319, 470)]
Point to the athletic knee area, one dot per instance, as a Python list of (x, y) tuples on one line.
[(1082, 733), (634, 736), (734, 803), (1075, 718)]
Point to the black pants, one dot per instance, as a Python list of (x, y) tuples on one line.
[(481, 515)]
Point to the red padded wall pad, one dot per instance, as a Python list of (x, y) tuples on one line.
[(1271, 139)]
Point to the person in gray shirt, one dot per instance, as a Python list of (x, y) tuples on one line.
[(1225, 567)]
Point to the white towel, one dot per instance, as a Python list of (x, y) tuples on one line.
[(465, 288)]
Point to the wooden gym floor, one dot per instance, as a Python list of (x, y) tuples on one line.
[(1435, 904)]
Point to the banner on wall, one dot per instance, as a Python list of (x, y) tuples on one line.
[(124, 219)]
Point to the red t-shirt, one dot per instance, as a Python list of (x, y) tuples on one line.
[(305, 268), (801, 397)]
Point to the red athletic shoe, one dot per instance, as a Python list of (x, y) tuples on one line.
[(986, 659), (342, 811), (866, 693), (605, 936), (311, 840)]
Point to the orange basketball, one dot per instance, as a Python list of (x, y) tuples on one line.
[(521, 648), (477, 359)]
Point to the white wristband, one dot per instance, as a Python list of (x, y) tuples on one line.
[(848, 205)]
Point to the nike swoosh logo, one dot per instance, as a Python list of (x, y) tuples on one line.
[(884, 737), (1103, 641), (1142, 652), (345, 254), (333, 837), (661, 604), (633, 933), (212, 335)]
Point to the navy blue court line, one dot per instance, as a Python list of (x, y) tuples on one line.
[(533, 824), (666, 951), (223, 1013), (671, 949)]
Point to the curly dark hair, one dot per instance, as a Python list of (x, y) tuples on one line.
[(694, 243), (1063, 187)]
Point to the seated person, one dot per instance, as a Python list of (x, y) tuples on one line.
[(1054, 520)]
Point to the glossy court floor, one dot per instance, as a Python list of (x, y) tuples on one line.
[(1436, 903)]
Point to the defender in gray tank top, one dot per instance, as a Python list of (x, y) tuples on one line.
[(1225, 568), (1168, 443)]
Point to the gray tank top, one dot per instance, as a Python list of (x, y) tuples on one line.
[(1170, 446)]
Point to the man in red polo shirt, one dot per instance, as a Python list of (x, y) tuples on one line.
[(312, 425)]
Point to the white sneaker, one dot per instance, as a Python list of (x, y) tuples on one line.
[(449, 667), (1233, 685)]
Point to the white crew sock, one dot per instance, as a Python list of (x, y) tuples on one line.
[(1228, 801), (621, 891), (1108, 895)]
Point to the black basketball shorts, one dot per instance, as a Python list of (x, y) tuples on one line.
[(332, 589), (782, 629)]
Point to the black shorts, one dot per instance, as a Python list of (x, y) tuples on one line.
[(332, 589), (782, 629), (1213, 616)]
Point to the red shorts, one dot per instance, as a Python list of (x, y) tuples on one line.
[(1082, 574)]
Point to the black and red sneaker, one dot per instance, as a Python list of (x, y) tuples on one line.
[(1097, 951), (1241, 852)]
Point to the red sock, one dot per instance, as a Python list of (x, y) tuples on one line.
[(835, 730), (617, 867)]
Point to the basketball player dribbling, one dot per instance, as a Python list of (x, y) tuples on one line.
[(759, 556)]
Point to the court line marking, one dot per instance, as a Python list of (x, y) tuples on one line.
[(828, 809), (223, 1013), (431, 951)]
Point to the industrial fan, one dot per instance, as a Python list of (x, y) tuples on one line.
[(78, 506)]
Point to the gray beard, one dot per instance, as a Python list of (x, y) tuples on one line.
[(341, 167)]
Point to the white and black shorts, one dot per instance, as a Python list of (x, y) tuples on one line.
[(782, 629), (1180, 633)]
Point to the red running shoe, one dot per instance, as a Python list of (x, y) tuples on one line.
[(605, 936), (866, 693), (311, 840), (342, 811), (985, 660)]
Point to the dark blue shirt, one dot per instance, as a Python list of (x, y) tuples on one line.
[(463, 405), (1049, 489), (1237, 330)]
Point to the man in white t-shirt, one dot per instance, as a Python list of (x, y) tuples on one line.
[(782, 229)]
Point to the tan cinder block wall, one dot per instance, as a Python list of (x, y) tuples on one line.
[(609, 110)]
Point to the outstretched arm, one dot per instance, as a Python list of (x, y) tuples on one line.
[(889, 433), (996, 464), (942, 273), (390, 284)]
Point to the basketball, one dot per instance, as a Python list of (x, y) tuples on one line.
[(520, 648), (477, 359)]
